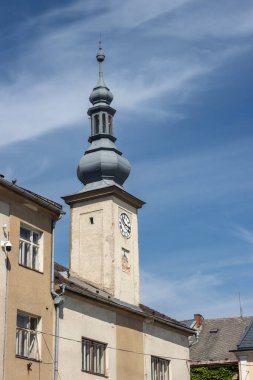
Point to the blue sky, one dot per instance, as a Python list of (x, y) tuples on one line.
[(181, 75)]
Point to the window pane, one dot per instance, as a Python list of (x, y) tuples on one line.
[(26, 254), (33, 347), (26, 336), (23, 321), (159, 369), (21, 252), (96, 124), (35, 257), (21, 342), (102, 360), (33, 323), (29, 248), (87, 357), (93, 357), (25, 233), (35, 238)]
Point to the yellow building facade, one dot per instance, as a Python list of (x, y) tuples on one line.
[(27, 313)]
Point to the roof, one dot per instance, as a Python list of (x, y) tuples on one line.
[(83, 288), (39, 199), (246, 341), (188, 322), (216, 339), (104, 192)]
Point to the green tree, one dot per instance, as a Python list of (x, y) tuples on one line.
[(213, 373)]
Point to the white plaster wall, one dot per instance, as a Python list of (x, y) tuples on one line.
[(4, 219), (89, 321), (245, 365), (96, 249), (169, 345)]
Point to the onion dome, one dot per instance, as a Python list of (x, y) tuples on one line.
[(101, 167), (102, 163)]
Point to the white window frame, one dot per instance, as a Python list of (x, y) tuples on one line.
[(30, 251), (93, 356), (27, 337), (159, 368)]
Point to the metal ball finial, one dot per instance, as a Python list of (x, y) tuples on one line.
[(100, 54)]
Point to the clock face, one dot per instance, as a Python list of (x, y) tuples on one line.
[(125, 225)]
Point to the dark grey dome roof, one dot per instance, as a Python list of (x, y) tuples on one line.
[(98, 165), (101, 94), (102, 164)]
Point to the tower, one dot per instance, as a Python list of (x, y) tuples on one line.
[(104, 217)]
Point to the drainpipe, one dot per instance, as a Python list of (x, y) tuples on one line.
[(58, 301), (54, 294)]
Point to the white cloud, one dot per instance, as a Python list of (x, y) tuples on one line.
[(224, 19), (171, 296), (133, 13), (243, 234), (199, 293), (50, 82)]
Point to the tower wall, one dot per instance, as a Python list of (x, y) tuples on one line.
[(99, 252)]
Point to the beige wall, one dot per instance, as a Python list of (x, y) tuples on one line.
[(29, 290), (96, 249), (130, 359), (168, 344), (245, 365), (4, 220), (131, 342), (85, 320)]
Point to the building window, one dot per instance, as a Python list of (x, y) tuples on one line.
[(93, 357), (27, 336), (104, 122), (96, 118), (159, 369), (110, 124), (29, 248)]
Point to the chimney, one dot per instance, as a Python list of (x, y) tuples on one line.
[(198, 319)]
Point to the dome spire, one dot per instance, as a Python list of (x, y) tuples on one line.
[(100, 58), (100, 93), (102, 164)]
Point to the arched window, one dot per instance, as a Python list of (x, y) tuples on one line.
[(96, 118), (104, 122), (91, 125), (110, 124)]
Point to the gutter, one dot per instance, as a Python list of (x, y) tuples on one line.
[(36, 198), (199, 363), (58, 301), (242, 349)]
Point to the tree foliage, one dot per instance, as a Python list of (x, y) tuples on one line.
[(213, 373)]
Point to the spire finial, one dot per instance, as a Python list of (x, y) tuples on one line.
[(101, 92), (100, 58), (100, 54)]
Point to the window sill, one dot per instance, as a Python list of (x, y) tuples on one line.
[(96, 374), (34, 270), (27, 358)]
